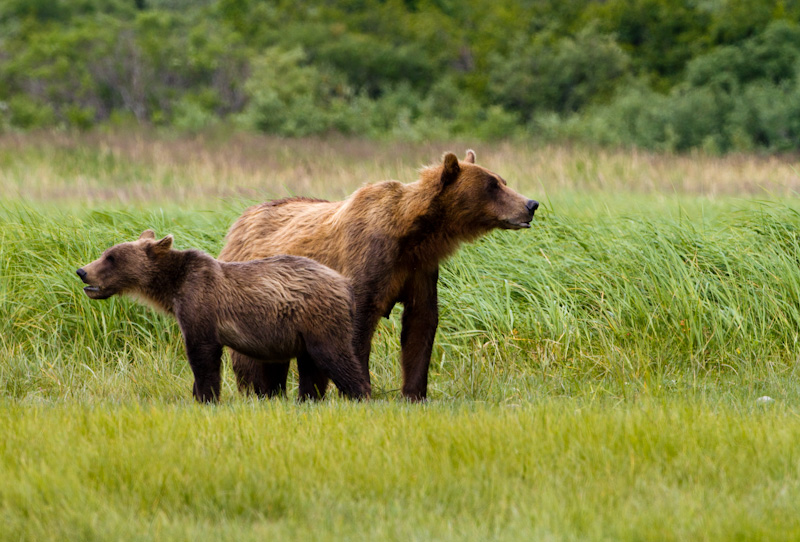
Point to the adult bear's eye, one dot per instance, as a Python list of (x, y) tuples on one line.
[(110, 259)]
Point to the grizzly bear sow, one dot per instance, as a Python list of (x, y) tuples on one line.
[(270, 310), (388, 238)]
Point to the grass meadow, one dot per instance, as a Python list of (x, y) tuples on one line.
[(596, 377)]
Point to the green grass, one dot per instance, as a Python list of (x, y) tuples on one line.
[(593, 378), (588, 301), (397, 472)]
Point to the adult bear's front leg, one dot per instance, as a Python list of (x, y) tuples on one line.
[(420, 319)]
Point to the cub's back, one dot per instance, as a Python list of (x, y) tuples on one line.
[(286, 278)]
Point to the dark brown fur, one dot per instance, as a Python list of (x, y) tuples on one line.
[(271, 310), (388, 238)]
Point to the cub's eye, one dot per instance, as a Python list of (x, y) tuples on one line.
[(110, 258), (493, 184)]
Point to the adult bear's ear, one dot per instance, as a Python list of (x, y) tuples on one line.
[(451, 170), (470, 156), (162, 246), (148, 234)]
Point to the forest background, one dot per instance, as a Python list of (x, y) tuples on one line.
[(720, 75)]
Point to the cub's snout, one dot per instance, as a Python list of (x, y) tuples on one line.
[(94, 289)]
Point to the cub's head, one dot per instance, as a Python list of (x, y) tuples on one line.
[(478, 199), (126, 267)]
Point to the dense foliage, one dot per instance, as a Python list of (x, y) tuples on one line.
[(663, 74)]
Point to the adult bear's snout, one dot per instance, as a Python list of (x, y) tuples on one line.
[(82, 274), (532, 205)]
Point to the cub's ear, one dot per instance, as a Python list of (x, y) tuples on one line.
[(470, 156), (162, 246), (148, 234), (451, 169)]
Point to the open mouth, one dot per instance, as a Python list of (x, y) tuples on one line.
[(509, 225), (94, 292)]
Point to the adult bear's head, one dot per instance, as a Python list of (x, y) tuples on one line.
[(477, 200)]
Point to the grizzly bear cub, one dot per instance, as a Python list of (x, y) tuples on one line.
[(270, 309)]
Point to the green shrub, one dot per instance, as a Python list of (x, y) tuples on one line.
[(769, 115), (189, 115), (562, 75), (661, 36), (79, 117), (372, 64), (770, 56), (287, 95), (24, 112)]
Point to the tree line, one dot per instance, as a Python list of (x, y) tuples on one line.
[(720, 75)]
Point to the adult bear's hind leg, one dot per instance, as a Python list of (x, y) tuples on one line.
[(259, 377), (364, 327), (338, 362)]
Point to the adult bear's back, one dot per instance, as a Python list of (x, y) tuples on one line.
[(281, 226)]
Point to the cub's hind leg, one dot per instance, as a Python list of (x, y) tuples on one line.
[(313, 381)]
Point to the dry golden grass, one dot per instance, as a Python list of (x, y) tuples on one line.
[(147, 167)]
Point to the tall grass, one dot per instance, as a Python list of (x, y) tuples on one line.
[(631, 301), (637, 296)]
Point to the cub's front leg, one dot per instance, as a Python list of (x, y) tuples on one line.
[(205, 359)]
